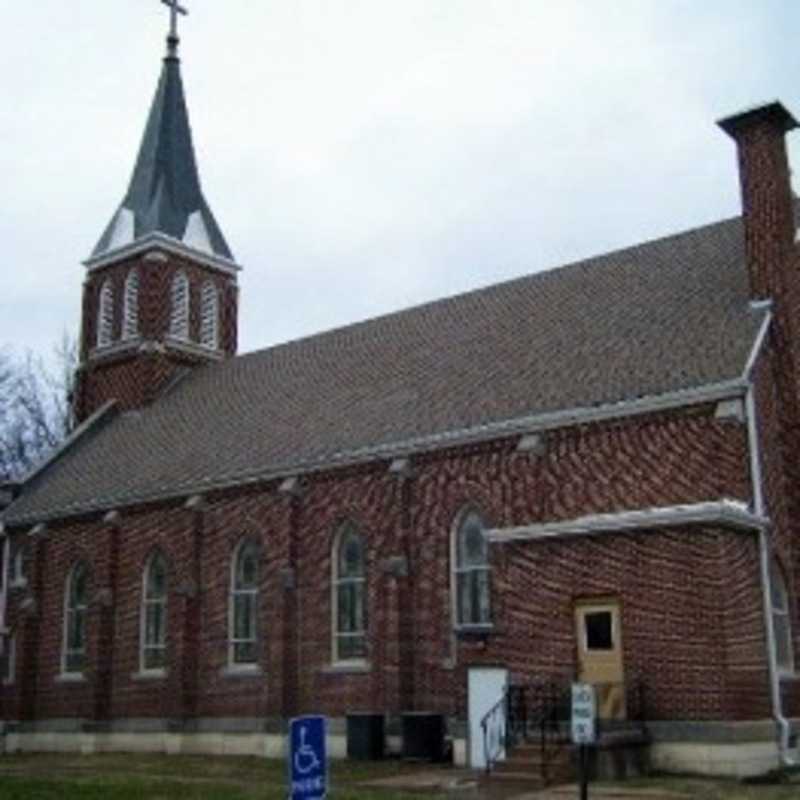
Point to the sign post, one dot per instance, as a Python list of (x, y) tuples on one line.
[(308, 761), (584, 727)]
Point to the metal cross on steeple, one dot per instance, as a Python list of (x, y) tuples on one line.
[(175, 8)]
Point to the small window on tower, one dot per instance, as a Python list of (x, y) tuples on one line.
[(130, 319), (105, 314), (179, 316), (209, 321)]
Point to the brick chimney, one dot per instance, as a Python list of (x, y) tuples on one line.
[(760, 136)]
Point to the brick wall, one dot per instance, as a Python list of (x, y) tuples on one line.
[(692, 625)]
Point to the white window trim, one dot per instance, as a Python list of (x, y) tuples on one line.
[(233, 592), (65, 650), (16, 574), (335, 583), (456, 571), (144, 671)]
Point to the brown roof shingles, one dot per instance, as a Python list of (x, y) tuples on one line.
[(663, 316)]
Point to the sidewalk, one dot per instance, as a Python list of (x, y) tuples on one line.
[(467, 785)]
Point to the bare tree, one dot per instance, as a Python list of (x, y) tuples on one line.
[(35, 413)]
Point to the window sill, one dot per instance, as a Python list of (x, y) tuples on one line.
[(241, 671), (347, 668), (18, 583), (149, 675), (788, 676), (71, 677), (190, 346), (468, 631)]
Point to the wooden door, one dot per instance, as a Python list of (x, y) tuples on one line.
[(600, 655)]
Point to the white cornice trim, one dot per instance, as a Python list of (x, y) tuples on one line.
[(160, 241), (465, 436), (727, 513)]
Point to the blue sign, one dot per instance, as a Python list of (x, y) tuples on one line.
[(308, 762)]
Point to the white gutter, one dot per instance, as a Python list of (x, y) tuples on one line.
[(728, 513), (533, 423), (754, 446)]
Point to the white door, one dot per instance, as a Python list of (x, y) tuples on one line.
[(485, 688)]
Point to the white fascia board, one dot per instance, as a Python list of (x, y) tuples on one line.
[(758, 344), (464, 436), (727, 513), (163, 242)]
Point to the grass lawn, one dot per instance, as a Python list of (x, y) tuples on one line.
[(157, 777), (716, 789)]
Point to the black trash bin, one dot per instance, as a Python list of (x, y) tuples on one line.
[(365, 738), (423, 736)]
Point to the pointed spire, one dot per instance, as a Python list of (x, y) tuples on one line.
[(164, 194)]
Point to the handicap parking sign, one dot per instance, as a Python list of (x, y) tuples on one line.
[(308, 763)]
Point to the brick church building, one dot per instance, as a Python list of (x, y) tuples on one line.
[(590, 472)]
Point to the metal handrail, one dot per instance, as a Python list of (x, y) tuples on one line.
[(497, 717), (544, 708)]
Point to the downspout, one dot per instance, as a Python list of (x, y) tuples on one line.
[(782, 724)]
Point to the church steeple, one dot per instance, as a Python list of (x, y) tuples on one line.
[(164, 195), (161, 289)]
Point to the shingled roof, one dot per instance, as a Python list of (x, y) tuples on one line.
[(661, 317)]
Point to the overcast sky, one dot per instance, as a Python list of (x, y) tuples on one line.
[(366, 155)]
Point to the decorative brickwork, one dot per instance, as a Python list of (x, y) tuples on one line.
[(134, 371)]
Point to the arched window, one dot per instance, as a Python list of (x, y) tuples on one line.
[(17, 576), (153, 626), (8, 661), (209, 317), (244, 604), (179, 308), (105, 314), (76, 607), (349, 596), (471, 571), (130, 318), (781, 619)]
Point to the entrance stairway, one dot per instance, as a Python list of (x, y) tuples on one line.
[(529, 764), (527, 740)]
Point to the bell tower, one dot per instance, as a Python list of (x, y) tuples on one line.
[(160, 294)]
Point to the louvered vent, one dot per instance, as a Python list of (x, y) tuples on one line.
[(130, 319), (209, 322), (105, 314), (179, 318)]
